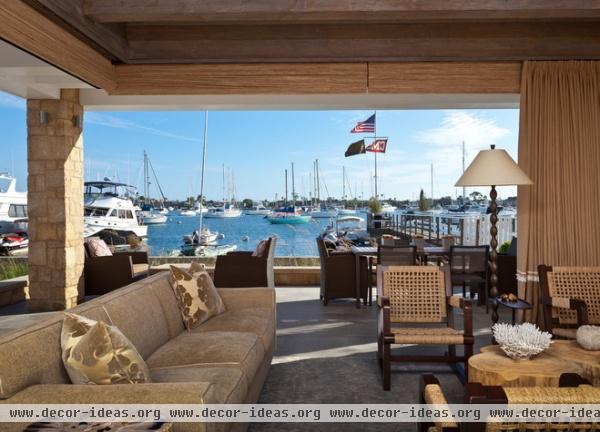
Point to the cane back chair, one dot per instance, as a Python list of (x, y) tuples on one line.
[(570, 298), (572, 390), (418, 298), (469, 266)]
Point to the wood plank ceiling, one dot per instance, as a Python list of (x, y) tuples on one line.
[(190, 41)]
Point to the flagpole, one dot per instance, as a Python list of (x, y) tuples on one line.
[(374, 138)]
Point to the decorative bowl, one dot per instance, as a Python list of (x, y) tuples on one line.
[(521, 342), (588, 336)]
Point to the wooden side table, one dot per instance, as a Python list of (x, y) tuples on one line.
[(493, 367), (514, 306)]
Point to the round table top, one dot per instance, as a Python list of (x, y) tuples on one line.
[(493, 367)]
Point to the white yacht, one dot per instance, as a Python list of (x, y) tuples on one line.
[(323, 212), (153, 218), (13, 206), (227, 211), (259, 210), (187, 212), (107, 205), (388, 208)]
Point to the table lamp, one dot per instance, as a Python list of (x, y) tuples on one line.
[(493, 168)]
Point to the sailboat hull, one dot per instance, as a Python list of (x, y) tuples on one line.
[(290, 220)]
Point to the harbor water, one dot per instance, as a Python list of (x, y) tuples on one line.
[(292, 240)]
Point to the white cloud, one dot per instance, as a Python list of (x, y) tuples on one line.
[(118, 123), (9, 101)]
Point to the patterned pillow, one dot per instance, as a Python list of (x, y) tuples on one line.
[(96, 353), (196, 294), (98, 247)]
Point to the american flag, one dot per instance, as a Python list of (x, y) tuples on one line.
[(377, 146), (366, 126)]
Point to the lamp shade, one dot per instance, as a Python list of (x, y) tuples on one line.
[(493, 167)]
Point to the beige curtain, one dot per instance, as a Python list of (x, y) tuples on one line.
[(559, 148)]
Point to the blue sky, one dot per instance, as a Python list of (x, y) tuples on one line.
[(257, 146)]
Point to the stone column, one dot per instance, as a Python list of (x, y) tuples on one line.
[(55, 201)]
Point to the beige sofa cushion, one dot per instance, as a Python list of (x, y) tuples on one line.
[(229, 385), (258, 321), (161, 288), (96, 353), (196, 294), (217, 348)]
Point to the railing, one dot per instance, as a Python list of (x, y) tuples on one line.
[(469, 229)]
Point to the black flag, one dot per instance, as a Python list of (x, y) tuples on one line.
[(355, 148)]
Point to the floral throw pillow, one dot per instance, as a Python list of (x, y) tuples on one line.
[(96, 353), (197, 297)]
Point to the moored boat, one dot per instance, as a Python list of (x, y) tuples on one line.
[(258, 210), (288, 215)]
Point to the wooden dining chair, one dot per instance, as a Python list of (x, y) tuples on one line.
[(416, 307), (469, 266)]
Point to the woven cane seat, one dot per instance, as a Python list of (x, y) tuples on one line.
[(582, 283), (428, 335), (583, 394), (542, 427)]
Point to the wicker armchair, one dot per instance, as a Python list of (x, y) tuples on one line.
[(570, 298), (244, 270), (572, 390), (338, 277), (420, 295)]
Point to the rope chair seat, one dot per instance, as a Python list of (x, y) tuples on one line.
[(428, 335)]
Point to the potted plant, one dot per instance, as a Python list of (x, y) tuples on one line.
[(375, 207)]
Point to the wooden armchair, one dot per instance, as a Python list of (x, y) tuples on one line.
[(242, 269), (107, 273), (338, 274), (421, 295), (570, 298), (572, 390)]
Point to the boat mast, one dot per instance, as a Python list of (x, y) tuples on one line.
[(286, 191), (464, 193), (344, 184), (202, 173), (293, 186), (223, 185), (146, 178), (318, 182)]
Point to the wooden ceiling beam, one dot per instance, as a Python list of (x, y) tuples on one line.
[(318, 11), (369, 42), (106, 38), (322, 78), (240, 79), (26, 28)]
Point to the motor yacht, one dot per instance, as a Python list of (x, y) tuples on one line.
[(388, 208), (226, 211), (108, 205), (13, 206), (258, 210)]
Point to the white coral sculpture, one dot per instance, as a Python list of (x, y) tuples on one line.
[(521, 342)]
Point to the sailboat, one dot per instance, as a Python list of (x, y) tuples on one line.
[(289, 214), (321, 210), (149, 214), (228, 210), (201, 242)]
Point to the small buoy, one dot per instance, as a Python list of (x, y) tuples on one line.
[(245, 238)]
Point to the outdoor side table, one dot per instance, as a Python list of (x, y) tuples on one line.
[(514, 306), (99, 427)]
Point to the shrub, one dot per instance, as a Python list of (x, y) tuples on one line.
[(504, 247), (11, 269)]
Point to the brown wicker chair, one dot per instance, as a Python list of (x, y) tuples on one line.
[(572, 390), (108, 273), (570, 298), (242, 269), (420, 295), (469, 266), (338, 274)]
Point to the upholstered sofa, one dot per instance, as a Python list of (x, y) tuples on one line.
[(224, 360)]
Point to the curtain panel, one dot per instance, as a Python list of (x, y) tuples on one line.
[(559, 148)]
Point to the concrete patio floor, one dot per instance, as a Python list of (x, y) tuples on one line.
[(328, 355)]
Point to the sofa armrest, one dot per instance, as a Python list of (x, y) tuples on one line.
[(155, 393), (107, 273), (242, 298)]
